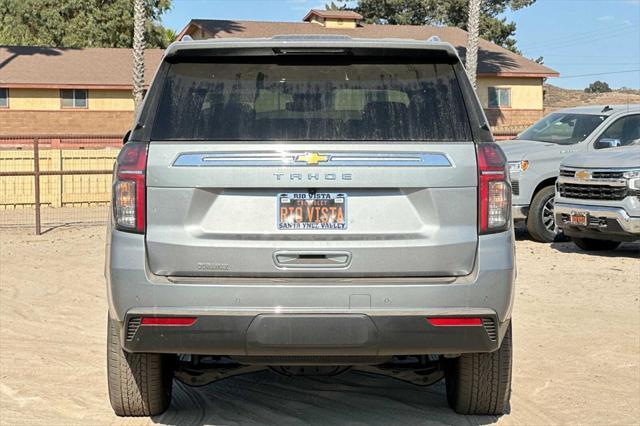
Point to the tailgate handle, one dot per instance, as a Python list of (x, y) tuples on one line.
[(312, 259)]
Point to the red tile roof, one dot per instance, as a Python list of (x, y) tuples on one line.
[(107, 68), (492, 59), (99, 68)]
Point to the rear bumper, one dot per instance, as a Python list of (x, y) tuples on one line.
[(371, 334), (602, 221), (353, 316)]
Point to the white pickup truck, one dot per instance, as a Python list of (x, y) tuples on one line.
[(535, 156), (597, 200)]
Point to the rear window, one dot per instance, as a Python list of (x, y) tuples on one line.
[(307, 100)]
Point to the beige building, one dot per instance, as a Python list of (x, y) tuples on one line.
[(334, 18), (68, 91), (510, 86), (61, 92)]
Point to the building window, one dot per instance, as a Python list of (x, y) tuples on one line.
[(4, 97), (499, 97), (73, 98)]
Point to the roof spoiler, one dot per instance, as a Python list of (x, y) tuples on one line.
[(307, 44)]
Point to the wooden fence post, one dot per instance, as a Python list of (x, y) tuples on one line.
[(56, 190)]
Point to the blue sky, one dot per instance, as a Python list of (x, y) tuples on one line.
[(584, 40)]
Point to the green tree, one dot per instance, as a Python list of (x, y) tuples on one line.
[(170, 35), (598, 87), (333, 6), (446, 12), (79, 23)]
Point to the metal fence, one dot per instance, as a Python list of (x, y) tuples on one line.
[(48, 181)]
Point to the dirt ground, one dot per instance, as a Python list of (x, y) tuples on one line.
[(576, 360)]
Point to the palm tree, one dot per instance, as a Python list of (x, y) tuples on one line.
[(170, 36), (473, 26), (139, 19)]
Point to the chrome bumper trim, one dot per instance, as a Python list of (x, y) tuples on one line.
[(630, 224)]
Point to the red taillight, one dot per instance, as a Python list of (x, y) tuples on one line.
[(129, 197), (454, 321), (169, 321), (494, 190)]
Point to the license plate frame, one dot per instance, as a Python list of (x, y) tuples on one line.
[(308, 213), (579, 219)]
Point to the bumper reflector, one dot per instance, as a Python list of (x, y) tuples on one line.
[(455, 321), (169, 321)]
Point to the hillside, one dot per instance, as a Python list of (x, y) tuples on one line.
[(557, 97)]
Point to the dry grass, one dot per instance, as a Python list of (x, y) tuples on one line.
[(557, 97)]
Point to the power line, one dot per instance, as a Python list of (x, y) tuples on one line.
[(585, 1), (594, 63), (579, 43), (568, 43), (593, 31), (584, 56), (600, 73), (579, 36)]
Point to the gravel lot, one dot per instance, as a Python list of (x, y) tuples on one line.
[(576, 334)]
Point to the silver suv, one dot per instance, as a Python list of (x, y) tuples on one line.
[(309, 205)]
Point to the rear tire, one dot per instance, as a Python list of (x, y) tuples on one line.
[(592, 244), (540, 220), (139, 383), (480, 383)]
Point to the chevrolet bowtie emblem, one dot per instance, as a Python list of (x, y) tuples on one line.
[(583, 175), (312, 158)]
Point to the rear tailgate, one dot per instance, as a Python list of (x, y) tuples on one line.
[(214, 219), (242, 148)]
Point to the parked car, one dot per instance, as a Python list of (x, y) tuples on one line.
[(535, 155), (598, 197), (310, 204)]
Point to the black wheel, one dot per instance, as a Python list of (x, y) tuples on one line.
[(139, 383), (541, 223), (592, 244), (480, 383)]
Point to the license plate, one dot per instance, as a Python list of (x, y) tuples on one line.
[(319, 210), (578, 219)]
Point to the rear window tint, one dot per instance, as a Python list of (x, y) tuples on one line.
[(311, 101)]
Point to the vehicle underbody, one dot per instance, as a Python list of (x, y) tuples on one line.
[(200, 370)]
